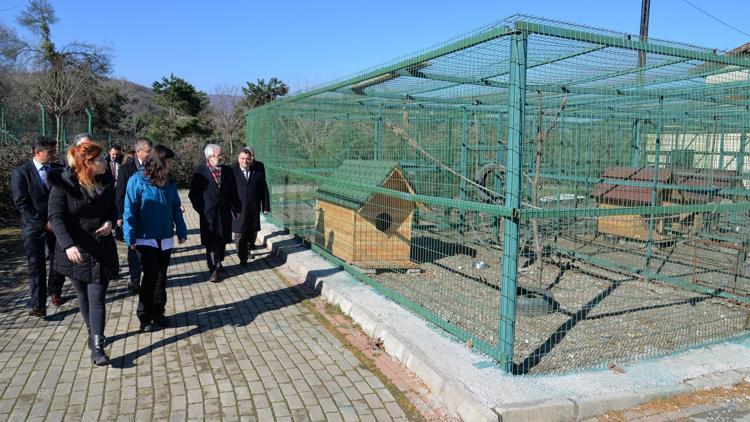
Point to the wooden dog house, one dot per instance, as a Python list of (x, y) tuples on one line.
[(364, 228), (613, 194), (701, 186)]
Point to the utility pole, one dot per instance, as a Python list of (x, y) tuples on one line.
[(635, 159), (645, 6)]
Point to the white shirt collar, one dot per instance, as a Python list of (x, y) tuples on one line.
[(36, 164)]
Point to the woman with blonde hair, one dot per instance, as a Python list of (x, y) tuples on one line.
[(81, 213)]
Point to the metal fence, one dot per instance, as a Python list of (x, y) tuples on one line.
[(556, 196), (26, 120)]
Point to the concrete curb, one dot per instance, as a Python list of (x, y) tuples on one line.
[(341, 289), (305, 263)]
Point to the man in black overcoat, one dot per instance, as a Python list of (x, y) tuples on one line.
[(30, 196), (213, 194), (252, 190), (125, 171)]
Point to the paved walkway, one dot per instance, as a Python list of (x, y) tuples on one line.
[(248, 348)]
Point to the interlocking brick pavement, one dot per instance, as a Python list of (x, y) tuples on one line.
[(247, 348)]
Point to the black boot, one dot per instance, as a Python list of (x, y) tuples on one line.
[(98, 357), (90, 342)]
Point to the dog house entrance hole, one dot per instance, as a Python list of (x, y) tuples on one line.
[(383, 221)]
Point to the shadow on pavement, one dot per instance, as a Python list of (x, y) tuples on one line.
[(236, 314)]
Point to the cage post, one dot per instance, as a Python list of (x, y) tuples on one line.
[(589, 162), (560, 171), (498, 161), (741, 154), (3, 130), (657, 158), (721, 150), (464, 165), (347, 137), (379, 135), (89, 120), (516, 103), (450, 158), (44, 120), (636, 154), (267, 144), (63, 138), (684, 137), (417, 157), (249, 126)]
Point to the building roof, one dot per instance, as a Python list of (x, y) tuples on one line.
[(609, 191), (371, 173), (709, 179)]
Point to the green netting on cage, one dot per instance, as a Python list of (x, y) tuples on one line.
[(566, 196)]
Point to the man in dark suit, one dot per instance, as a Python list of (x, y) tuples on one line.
[(252, 189), (213, 194), (129, 168), (30, 196), (114, 162)]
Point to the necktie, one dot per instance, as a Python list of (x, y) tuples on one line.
[(247, 175), (43, 174)]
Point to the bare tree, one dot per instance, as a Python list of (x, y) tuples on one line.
[(65, 88), (311, 136), (227, 113), (65, 78)]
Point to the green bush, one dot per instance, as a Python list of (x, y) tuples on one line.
[(13, 155)]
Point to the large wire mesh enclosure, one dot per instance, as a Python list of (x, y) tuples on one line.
[(556, 196)]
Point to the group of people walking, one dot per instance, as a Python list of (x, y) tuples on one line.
[(72, 213)]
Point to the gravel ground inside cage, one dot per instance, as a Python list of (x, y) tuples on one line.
[(599, 318)]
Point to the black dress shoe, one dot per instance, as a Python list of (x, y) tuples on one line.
[(149, 327), (215, 277), (133, 286), (162, 321), (38, 312)]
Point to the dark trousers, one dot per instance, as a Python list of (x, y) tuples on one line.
[(91, 303), (152, 296), (215, 254), (244, 242), (37, 246), (134, 266)]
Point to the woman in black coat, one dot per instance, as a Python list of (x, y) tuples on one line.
[(82, 212)]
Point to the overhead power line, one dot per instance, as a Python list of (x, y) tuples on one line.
[(716, 19)]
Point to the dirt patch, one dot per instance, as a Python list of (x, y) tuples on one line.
[(678, 407)]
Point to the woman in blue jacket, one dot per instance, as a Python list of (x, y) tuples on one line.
[(152, 211)]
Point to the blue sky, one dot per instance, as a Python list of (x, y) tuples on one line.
[(307, 43)]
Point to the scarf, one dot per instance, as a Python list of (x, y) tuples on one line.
[(216, 173)]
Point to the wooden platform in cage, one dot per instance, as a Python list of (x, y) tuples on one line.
[(628, 226)]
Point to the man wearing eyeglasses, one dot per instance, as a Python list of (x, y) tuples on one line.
[(213, 194)]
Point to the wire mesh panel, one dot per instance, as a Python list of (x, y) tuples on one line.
[(556, 196)]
